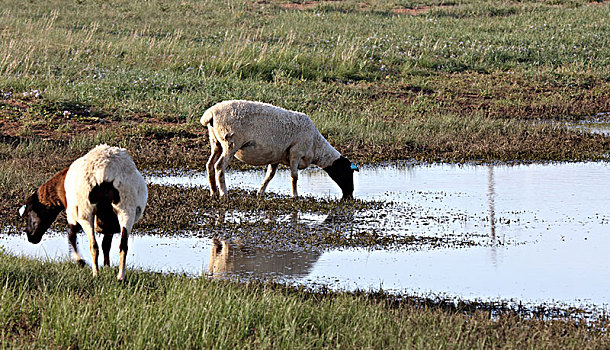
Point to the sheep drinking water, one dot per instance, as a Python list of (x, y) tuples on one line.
[(101, 190), (262, 134)]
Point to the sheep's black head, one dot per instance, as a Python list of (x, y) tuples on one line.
[(39, 217), (342, 172)]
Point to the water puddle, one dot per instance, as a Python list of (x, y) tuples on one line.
[(598, 124), (542, 234)]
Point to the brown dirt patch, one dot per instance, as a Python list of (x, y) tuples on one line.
[(307, 5), (299, 6), (17, 123), (413, 11)]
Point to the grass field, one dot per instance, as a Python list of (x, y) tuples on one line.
[(455, 81), (459, 82)]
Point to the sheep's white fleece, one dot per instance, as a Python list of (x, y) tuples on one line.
[(110, 164), (264, 133)]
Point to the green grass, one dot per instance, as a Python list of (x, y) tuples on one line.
[(59, 305), (331, 41), (366, 75)]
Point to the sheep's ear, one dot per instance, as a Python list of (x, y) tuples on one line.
[(22, 210), (354, 167)]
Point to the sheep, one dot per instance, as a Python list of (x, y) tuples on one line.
[(262, 134), (101, 190)]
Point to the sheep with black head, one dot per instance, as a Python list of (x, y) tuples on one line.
[(262, 134), (102, 190)]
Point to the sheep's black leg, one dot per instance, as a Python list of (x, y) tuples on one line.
[(72, 231), (106, 244)]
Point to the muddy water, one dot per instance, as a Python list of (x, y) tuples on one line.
[(542, 234)]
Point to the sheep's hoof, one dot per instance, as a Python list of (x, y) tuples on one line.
[(81, 262)]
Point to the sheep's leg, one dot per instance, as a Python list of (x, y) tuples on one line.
[(216, 151), (73, 230), (87, 226), (271, 169), (294, 174), (106, 244), (122, 253), (220, 167), (126, 221)]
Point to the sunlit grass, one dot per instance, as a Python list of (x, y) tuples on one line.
[(448, 83), (91, 53), (45, 304)]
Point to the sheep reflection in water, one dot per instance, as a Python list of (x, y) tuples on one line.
[(234, 258), (237, 258)]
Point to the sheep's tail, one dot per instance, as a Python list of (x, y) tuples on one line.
[(207, 117)]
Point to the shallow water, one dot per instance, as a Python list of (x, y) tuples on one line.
[(597, 124), (542, 234)]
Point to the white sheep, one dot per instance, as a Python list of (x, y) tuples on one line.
[(262, 134), (101, 190)]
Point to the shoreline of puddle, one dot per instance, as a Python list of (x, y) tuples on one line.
[(545, 229)]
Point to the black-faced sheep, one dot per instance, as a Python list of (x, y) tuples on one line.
[(262, 134), (101, 190)]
